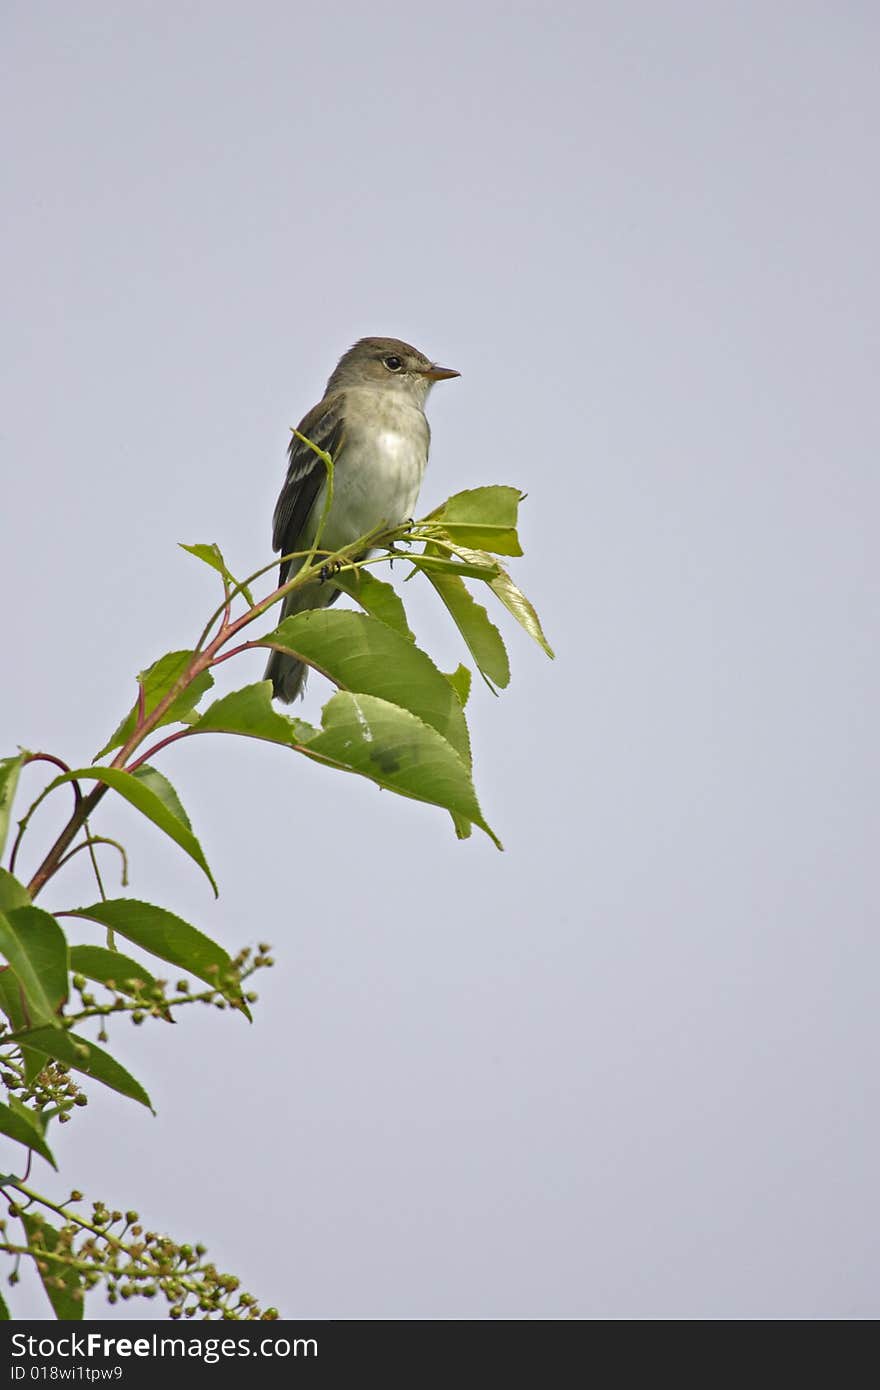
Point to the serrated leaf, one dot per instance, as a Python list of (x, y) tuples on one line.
[(481, 636), (12, 1004), (111, 968), (499, 541), (36, 948), (460, 680), (83, 1055), (210, 554), (12, 892), (250, 712), (482, 517), (396, 750), (163, 934), (376, 597), (494, 504), (139, 792), (24, 1131), (360, 654), (515, 602), (438, 564), (157, 680), (9, 771), (67, 1301), (160, 786)]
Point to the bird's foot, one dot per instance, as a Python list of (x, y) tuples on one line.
[(327, 571), (394, 546)]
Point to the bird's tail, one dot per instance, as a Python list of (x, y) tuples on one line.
[(288, 673), (288, 676)]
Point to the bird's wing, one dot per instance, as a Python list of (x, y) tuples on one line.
[(325, 426)]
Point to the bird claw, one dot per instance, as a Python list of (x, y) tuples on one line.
[(327, 571), (394, 546)]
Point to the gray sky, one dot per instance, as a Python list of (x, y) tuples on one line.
[(626, 1069)]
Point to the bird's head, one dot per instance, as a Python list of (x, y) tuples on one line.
[(390, 363)]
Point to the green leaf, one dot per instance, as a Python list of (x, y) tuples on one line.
[(12, 998), (12, 892), (438, 564), (249, 711), (85, 1056), (157, 680), (141, 794), (396, 750), (24, 1131), (162, 934), (9, 770), (111, 968), (515, 602), (210, 554), (5, 1315), (360, 654), (12, 1004), (481, 636), (36, 949), (160, 786), (482, 517), (376, 597), (460, 680), (37, 1119), (67, 1301)]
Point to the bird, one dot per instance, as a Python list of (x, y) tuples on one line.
[(371, 421)]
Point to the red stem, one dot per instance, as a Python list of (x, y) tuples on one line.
[(77, 798), (244, 647), (157, 747), (202, 661), (47, 758)]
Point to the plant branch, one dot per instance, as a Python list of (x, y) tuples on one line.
[(157, 747), (25, 821), (81, 813), (202, 660), (88, 843)]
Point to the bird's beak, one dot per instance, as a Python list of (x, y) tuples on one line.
[(435, 373)]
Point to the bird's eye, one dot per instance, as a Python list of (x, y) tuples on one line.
[(393, 364)]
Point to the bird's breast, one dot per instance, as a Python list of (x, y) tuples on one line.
[(379, 474)]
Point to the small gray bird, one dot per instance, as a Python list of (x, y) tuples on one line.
[(372, 423)]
